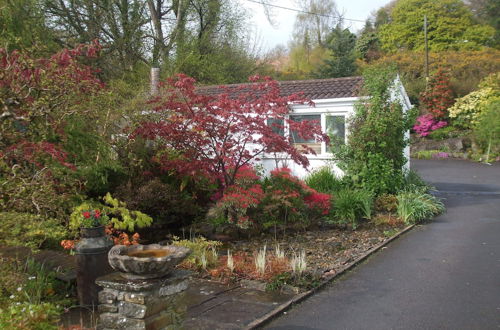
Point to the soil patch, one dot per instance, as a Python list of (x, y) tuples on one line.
[(327, 250)]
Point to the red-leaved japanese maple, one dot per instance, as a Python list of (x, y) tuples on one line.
[(38, 95), (217, 135)]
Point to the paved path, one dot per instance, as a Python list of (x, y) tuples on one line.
[(441, 275)]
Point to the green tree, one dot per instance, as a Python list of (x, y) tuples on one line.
[(487, 12), (23, 25), (450, 27), (373, 157), (368, 43), (341, 63)]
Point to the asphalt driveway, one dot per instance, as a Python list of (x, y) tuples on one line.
[(441, 275)]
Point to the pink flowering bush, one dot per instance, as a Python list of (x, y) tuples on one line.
[(426, 124)]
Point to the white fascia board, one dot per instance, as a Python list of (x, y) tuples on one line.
[(399, 93), (327, 105)]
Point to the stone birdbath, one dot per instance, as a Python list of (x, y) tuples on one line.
[(147, 290), (146, 261)]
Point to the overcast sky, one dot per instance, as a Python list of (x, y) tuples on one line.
[(270, 36)]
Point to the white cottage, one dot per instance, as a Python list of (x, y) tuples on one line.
[(334, 101)]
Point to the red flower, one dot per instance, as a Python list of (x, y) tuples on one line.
[(86, 214), (97, 213)]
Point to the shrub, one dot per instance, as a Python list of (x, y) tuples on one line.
[(466, 111), (33, 231), (426, 124), (416, 206), (119, 216), (373, 158), (444, 133), (431, 154), (386, 203), (239, 201), (281, 199), (350, 206), (289, 200), (203, 252), (167, 203), (324, 180), (438, 96), (413, 181), (487, 132)]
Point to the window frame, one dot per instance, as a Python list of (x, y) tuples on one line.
[(323, 114)]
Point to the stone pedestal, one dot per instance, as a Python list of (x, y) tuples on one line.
[(142, 304)]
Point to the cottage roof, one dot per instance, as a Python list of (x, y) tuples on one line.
[(314, 89)]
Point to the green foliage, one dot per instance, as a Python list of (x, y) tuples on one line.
[(450, 27), (76, 219), (23, 26), (122, 218), (33, 231), (373, 158), (30, 296), (426, 154), (203, 251), (416, 206), (487, 132), (306, 281), (22, 192), (444, 133), (368, 44), (341, 62), (413, 181), (174, 202), (350, 206), (325, 180), (97, 165), (466, 68), (116, 212)]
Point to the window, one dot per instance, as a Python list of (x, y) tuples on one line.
[(334, 125), (335, 129), (316, 146), (277, 125)]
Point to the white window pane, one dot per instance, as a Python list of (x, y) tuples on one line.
[(300, 118), (277, 126), (335, 128)]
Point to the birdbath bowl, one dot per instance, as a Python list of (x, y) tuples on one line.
[(137, 262)]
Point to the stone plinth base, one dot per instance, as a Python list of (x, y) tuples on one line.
[(142, 304)]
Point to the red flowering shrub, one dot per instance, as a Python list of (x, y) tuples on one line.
[(438, 96), (319, 201), (280, 199), (289, 200), (237, 201)]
